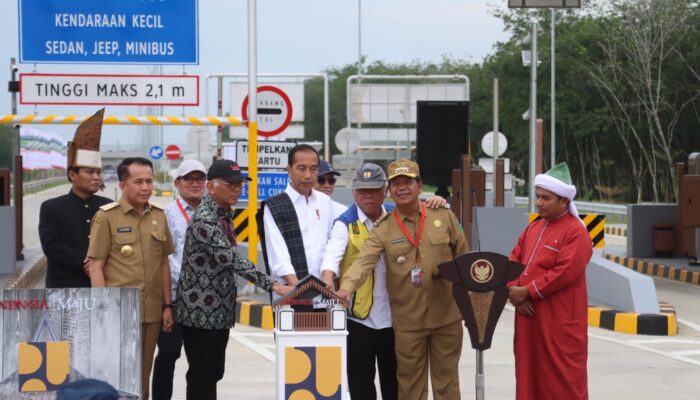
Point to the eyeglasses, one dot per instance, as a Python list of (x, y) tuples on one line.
[(230, 185), (322, 180), (190, 179)]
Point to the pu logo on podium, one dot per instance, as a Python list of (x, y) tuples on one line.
[(43, 366), (312, 373)]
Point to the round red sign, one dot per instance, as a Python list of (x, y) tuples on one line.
[(274, 110), (172, 152)]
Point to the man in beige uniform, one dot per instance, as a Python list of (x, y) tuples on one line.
[(427, 324), (129, 247)]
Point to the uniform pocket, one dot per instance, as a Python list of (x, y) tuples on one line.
[(547, 256)]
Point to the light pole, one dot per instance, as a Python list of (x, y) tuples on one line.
[(532, 63), (553, 91)]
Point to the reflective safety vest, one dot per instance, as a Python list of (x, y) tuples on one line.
[(363, 299)]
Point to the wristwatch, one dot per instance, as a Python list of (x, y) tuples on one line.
[(167, 306)]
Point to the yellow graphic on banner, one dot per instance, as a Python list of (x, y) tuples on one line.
[(43, 366)]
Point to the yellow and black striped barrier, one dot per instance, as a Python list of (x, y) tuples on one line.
[(616, 230), (240, 225), (664, 323), (659, 270), (254, 314), (595, 223)]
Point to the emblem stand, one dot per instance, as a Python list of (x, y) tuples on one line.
[(479, 288)]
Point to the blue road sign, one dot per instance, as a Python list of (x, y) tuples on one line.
[(269, 184), (156, 152), (108, 31)]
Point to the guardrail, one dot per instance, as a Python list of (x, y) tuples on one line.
[(588, 207), (41, 183)]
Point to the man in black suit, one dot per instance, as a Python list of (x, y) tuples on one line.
[(64, 221)]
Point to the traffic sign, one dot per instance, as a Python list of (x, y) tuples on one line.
[(156, 152), (269, 184), (487, 143), (271, 154), (172, 152), (108, 31), (274, 110), (126, 90)]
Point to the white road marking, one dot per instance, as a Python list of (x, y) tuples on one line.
[(647, 349), (691, 325), (260, 349), (686, 353), (669, 340)]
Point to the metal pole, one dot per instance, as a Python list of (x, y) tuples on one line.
[(15, 129), (17, 170), (533, 116), (326, 122), (252, 132), (359, 37), (495, 136), (219, 113), (553, 90), (479, 380)]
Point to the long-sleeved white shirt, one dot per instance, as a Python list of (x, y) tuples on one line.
[(177, 224), (380, 315), (316, 216)]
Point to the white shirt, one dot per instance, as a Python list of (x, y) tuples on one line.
[(177, 225), (316, 217), (380, 315), (338, 208)]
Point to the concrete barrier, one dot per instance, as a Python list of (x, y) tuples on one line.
[(614, 286)]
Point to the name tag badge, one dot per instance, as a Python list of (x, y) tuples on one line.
[(124, 229), (401, 240), (417, 276)]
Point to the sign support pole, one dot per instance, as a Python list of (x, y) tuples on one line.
[(252, 132), (219, 113), (533, 117), (479, 379)]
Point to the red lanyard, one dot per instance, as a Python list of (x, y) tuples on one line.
[(415, 242), (182, 210)]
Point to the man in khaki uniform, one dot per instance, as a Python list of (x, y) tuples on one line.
[(129, 247), (427, 324)]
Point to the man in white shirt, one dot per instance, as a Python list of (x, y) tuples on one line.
[(190, 181), (326, 184), (298, 221)]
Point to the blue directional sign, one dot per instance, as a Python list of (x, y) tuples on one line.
[(156, 152), (269, 184), (109, 31)]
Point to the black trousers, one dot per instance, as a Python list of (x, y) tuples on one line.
[(367, 346), (169, 349), (206, 355)]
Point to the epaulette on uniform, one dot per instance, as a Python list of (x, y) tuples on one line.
[(156, 205), (382, 218), (109, 206)]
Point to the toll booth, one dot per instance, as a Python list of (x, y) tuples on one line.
[(310, 335)]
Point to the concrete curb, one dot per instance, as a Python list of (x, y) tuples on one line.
[(658, 270), (23, 278), (254, 314), (662, 324), (616, 230)]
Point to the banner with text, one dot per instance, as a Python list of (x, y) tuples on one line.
[(109, 31)]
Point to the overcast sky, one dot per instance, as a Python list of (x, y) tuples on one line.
[(294, 36)]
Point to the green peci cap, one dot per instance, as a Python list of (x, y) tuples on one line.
[(561, 173)]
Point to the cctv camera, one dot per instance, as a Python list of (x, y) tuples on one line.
[(526, 115)]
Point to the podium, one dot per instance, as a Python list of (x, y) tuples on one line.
[(310, 336), (479, 289)]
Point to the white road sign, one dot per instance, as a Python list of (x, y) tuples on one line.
[(93, 89), (274, 110), (271, 154)]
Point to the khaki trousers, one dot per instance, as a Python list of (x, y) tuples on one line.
[(149, 338), (441, 347)]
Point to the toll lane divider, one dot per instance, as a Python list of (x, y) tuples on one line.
[(595, 224), (658, 270), (13, 119), (254, 314), (662, 324)]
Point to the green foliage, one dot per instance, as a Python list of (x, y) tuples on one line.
[(5, 146), (594, 134)]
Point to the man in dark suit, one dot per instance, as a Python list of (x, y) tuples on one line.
[(64, 221)]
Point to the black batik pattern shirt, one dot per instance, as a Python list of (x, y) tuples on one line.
[(206, 291)]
